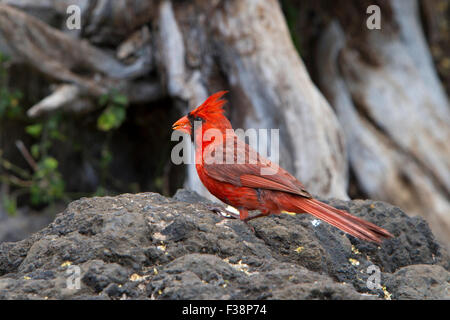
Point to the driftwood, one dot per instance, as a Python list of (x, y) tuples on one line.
[(62, 96), (60, 57), (104, 22), (395, 115)]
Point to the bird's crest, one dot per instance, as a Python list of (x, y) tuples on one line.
[(212, 106)]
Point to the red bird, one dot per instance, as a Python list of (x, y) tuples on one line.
[(254, 182)]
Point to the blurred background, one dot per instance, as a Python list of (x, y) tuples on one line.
[(89, 90)]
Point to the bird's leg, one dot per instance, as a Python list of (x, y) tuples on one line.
[(243, 214), (247, 218), (262, 214), (255, 216)]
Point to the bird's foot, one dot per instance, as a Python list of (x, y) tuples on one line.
[(227, 214), (223, 213)]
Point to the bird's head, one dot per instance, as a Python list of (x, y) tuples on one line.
[(210, 114)]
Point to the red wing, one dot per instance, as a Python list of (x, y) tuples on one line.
[(261, 173), (252, 181)]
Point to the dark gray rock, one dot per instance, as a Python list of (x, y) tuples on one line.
[(146, 246), (100, 275), (430, 282)]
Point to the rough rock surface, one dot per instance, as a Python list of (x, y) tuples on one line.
[(146, 246)]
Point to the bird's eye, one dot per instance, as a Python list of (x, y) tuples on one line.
[(198, 119)]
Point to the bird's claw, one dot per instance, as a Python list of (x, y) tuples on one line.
[(223, 213)]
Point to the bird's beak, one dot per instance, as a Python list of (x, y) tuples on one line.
[(183, 125)]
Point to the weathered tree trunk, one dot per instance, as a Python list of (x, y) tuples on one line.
[(245, 46), (394, 112), (65, 58)]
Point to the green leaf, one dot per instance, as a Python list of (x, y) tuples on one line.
[(50, 163), (35, 195), (120, 99), (34, 130), (48, 186), (111, 118), (103, 100), (56, 190), (35, 151), (10, 205), (106, 121), (55, 134)]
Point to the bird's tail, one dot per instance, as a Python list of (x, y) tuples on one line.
[(341, 219)]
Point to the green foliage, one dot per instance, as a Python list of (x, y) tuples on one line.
[(34, 130), (9, 99), (9, 204), (114, 113), (44, 183), (53, 126), (9, 103), (35, 152), (47, 183)]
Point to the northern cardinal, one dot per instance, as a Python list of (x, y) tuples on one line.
[(245, 186)]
